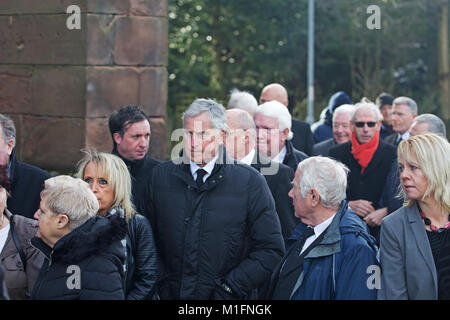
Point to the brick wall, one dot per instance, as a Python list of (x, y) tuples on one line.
[(61, 85)]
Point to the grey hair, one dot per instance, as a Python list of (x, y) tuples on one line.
[(366, 104), (407, 101), (72, 197), (242, 100), (327, 176), (277, 110), (216, 112), (435, 124), (343, 109), (8, 128)]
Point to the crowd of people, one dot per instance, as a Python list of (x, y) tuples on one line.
[(256, 205)]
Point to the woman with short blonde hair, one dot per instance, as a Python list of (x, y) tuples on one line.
[(415, 239), (109, 179)]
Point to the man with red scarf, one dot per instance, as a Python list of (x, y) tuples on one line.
[(369, 159)]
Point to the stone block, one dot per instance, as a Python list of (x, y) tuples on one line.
[(100, 39), (97, 134), (15, 89), (41, 39), (52, 143), (59, 91), (108, 6), (109, 89), (158, 139), (155, 8), (141, 41), (39, 7), (153, 91)]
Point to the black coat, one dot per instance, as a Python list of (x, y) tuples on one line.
[(369, 185), (323, 148), (393, 139), (141, 176), (303, 139), (96, 249), (142, 272), (279, 184), (27, 182), (3, 290), (225, 231), (293, 156)]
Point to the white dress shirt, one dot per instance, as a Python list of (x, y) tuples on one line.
[(280, 157), (208, 168), (248, 159), (318, 230)]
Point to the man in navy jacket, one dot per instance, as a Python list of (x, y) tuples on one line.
[(330, 255)]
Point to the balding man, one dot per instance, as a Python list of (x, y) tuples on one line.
[(240, 142), (303, 139)]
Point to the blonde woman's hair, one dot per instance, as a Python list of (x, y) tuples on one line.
[(115, 171), (72, 197), (432, 153)]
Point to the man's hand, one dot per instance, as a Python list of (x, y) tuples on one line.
[(374, 219), (361, 207)]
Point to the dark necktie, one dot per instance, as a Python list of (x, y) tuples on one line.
[(292, 267), (200, 174)]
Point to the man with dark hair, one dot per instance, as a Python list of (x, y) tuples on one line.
[(384, 102), (130, 131), (26, 181)]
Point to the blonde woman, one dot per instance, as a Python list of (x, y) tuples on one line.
[(109, 179), (415, 239)]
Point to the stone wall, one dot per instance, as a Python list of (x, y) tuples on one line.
[(61, 85)]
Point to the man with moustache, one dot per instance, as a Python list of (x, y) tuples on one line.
[(404, 110)]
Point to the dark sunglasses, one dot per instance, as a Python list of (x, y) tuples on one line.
[(361, 124)]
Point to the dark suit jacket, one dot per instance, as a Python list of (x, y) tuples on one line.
[(323, 148), (369, 185), (293, 156), (392, 139), (27, 182), (279, 185), (303, 139)]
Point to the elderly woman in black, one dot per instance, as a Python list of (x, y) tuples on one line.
[(415, 239), (109, 179)]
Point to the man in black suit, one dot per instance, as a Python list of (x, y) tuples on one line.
[(303, 139), (369, 159), (240, 142), (26, 181), (273, 125), (404, 110), (130, 131)]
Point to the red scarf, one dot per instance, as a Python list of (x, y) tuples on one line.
[(363, 153)]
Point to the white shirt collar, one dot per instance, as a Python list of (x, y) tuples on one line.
[(208, 168), (318, 230), (248, 159), (406, 135), (280, 157)]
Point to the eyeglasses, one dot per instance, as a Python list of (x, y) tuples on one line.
[(361, 124)]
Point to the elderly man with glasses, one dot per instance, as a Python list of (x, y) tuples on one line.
[(369, 159)]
